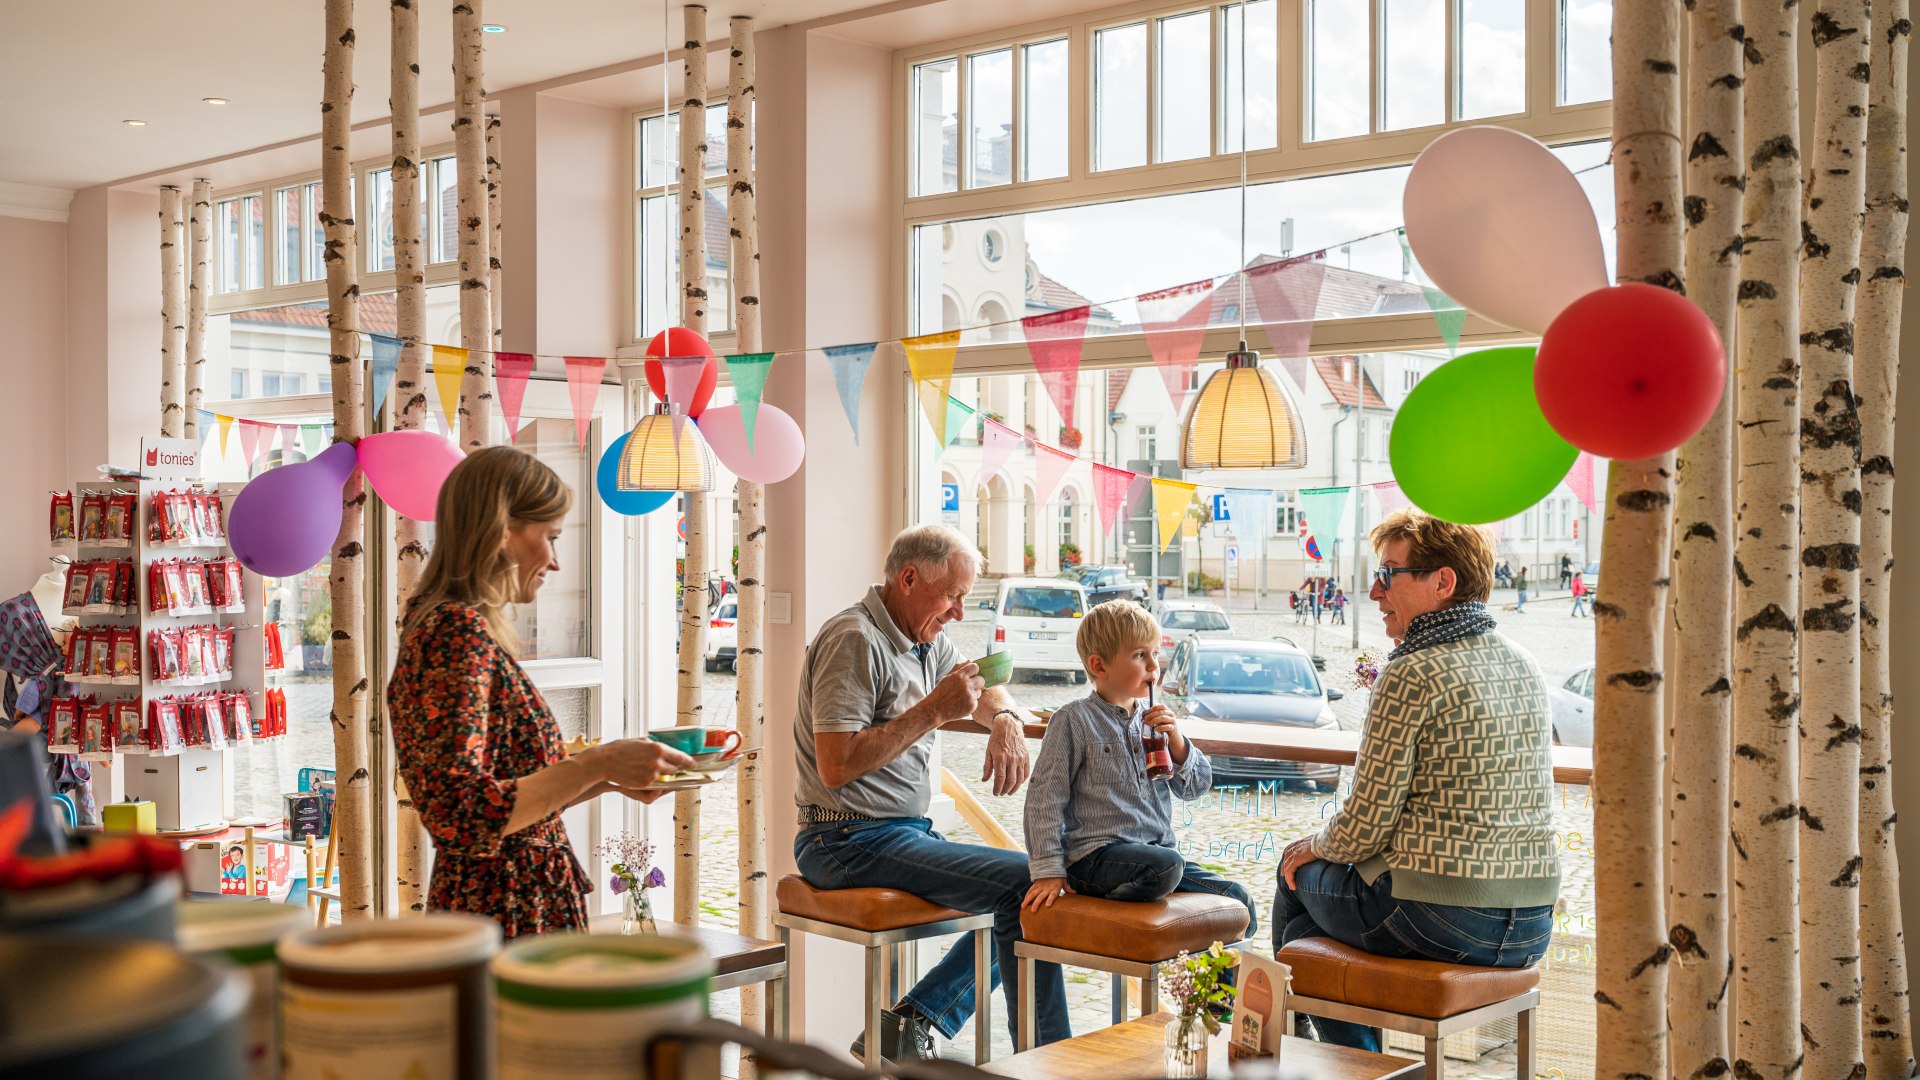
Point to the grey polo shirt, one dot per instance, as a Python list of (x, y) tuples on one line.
[(862, 671)]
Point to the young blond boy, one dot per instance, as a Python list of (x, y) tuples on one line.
[(1095, 824)]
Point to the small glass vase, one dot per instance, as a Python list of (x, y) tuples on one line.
[(636, 913), (1186, 1048)]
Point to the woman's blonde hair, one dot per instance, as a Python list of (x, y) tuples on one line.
[(495, 489)]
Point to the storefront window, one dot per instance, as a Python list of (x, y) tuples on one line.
[(559, 623)]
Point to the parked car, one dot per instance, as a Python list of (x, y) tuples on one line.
[(1035, 620), (1252, 682), (723, 636), (1182, 619), (1104, 583), (1571, 705)]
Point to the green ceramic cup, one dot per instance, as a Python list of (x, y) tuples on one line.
[(687, 740), (996, 668)]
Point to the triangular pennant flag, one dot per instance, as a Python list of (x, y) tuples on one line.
[(1170, 499), (1286, 293), (683, 375), (997, 444), (850, 364), (311, 440), (1449, 316), (1055, 340), (583, 388), (749, 373), (958, 416), (1580, 481), (511, 370), (386, 361), (1175, 322), (1050, 467), (288, 433), (930, 359), (1250, 512), (1392, 500), (226, 429), (250, 441), (1326, 508), (1109, 491), (449, 365), (1137, 493)]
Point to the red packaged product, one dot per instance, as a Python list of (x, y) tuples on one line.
[(95, 725), (127, 730), (93, 517), (272, 648), (126, 654), (176, 585), (222, 640), (163, 726), (119, 527), (240, 713), (100, 655), (164, 647), (76, 596), (193, 574), (100, 586), (126, 595), (63, 718), (216, 516), (60, 518), (236, 583), (215, 719), (180, 511)]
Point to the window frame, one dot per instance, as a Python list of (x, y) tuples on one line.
[(633, 344)]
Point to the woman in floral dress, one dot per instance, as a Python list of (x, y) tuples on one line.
[(479, 750)]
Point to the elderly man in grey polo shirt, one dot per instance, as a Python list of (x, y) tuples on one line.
[(879, 678)]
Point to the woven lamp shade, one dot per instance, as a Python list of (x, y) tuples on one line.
[(652, 461), (1243, 419)]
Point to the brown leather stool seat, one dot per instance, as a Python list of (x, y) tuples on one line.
[(872, 910), (1145, 933), (1421, 997)]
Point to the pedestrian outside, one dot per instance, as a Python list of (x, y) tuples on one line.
[(1580, 596), (1520, 584)]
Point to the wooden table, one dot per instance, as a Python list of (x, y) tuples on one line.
[(738, 961), (1137, 1049)]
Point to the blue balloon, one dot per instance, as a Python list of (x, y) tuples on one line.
[(606, 479)]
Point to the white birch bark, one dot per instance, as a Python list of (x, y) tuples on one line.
[(408, 397), (1702, 622), (749, 712), (470, 158), (1884, 1002), (1766, 685), (199, 278), (693, 316), (173, 313), (493, 231), (1829, 731), (352, 817)]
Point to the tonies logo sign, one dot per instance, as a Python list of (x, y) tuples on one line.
[(172, 459)]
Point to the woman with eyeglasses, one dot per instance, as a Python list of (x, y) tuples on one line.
[(1445, 849)]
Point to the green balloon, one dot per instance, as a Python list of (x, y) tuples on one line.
[(1470, 444)]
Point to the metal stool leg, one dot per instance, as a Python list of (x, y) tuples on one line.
[(1150, 993), (1025, 1005), (876, 985), (982, 997), (1119, 1010), (778, 1018), (1524, 1045), (1436, 1058)]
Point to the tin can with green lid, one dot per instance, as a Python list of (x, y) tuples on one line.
[(584, 1006), (243, 932)]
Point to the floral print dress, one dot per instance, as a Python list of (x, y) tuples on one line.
[(467, 724)]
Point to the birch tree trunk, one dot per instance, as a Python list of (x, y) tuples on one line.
[(693, 581), (173, 313), (200, 272), (1766, 684), (749, 708), (470, 158), (408, 397), (1884, 1001), (1702, 622), (1631, 979), (1829, 730), (493, 232), (352, 818)]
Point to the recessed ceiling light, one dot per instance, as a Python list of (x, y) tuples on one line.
[(494, 28), (134, 123), (215, 100)]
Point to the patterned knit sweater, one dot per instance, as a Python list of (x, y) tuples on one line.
[(1453, 789)]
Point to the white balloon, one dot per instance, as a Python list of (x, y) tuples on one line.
[(1503, 227)]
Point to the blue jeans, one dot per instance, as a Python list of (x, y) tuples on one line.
[(1333, 900), (1150, 872), (906, 854)]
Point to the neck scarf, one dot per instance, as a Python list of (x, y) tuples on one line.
[(1448, 624)]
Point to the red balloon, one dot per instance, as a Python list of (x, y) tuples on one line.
[(679, 341), (1631, 371)]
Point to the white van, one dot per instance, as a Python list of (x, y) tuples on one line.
[(1035, 620)]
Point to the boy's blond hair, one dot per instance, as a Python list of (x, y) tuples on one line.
[(1113, 627)]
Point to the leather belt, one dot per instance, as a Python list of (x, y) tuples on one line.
[(814, 815)]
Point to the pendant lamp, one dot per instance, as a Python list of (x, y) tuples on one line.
[(1243, 418), (655, 460)]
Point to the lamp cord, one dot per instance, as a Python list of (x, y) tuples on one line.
[(1243, 175)]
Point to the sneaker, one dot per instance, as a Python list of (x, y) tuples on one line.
[(905, 1035)]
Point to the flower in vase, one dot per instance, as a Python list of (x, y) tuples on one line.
[(619, 884), (656, 877), (1366, 669)]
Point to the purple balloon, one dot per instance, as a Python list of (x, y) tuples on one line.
[(286, 519)]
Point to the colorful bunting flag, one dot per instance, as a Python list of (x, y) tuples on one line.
[(1137, 493), (288, 433), (1250, 512), (511, 370), (583, 389), (1286, 295), (1170, 499), (930, 359), (997, 444), (958, 416), (1050, 467), (1391, 499), (250, 440), (749, 373), (1580, 481), (1175, 323), (226, 429), (1109, 491), (850, 364), (312, 438), (1450, 317), (1055, 340), (386, 361), (449, 364), (1326, 507)]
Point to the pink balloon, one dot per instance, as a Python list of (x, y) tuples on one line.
[(1502, 226), (778, 446), (407, 469)]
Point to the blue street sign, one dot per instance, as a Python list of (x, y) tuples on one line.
[(950, 497), (1220, 508)]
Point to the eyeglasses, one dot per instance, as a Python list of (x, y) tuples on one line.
[(1383, 577)]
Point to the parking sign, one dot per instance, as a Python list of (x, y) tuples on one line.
[(1220, 508), (950, 498)]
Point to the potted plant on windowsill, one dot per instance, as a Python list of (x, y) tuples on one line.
[(1070, 438)]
